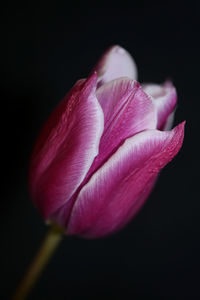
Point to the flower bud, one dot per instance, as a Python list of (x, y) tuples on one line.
[(99, 153)]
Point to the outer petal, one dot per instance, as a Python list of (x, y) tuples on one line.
[(116, 62), (120, 187), (66, 148), (165, 99)]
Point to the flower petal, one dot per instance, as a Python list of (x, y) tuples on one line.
[(116, 62), (127, 111), (66, 147), (119, 188), (165, 99)]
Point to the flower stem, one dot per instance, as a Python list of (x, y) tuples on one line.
[(52, 240)]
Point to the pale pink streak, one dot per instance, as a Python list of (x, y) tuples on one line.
[(119, 188)]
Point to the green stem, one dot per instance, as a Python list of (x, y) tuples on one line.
[(51, 242)]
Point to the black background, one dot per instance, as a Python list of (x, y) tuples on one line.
[(45, 49)]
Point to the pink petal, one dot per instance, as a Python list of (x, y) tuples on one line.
[(165, 99), (119, 188), (116, 62), (66, 147), (127, 111)]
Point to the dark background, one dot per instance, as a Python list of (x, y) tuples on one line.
[(45, 48)]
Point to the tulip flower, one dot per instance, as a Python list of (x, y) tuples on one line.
[(99, 154)]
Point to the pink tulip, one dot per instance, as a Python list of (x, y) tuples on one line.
[(98, 155)]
